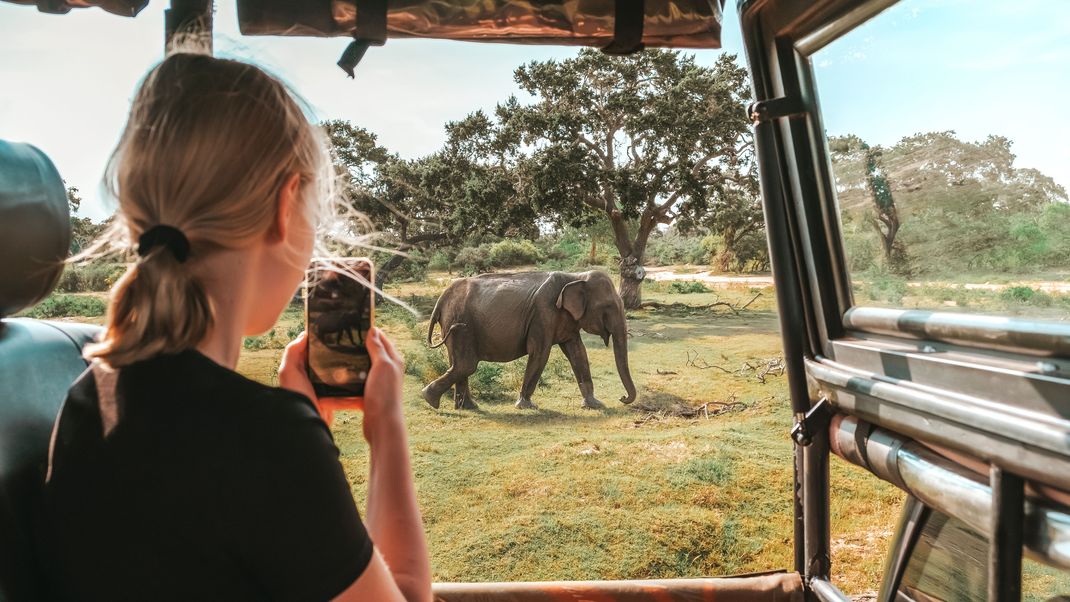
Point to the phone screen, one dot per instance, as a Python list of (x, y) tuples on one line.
[(338, 316)]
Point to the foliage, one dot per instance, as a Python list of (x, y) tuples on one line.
[(83, 230), (683, 287), (885, 286), (962, 207), (509, 253), (671, 247), (440, 261), (473, 260), (61, 305), (631, 142), (92, 277), (1026, 296)]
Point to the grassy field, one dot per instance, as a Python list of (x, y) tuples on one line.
[(566, 493)]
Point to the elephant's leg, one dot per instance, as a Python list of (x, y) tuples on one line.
[(538, 353), (577, 356), (461, 367), (462, 395)]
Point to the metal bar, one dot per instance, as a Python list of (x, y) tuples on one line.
[(955, 490), (1007, 519), (816, 507), (911, 523), (1030, 446), (782, 263), (827, 32), (988, 332), (825, 591), (768, 586)]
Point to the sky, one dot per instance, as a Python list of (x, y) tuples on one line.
[(976, 67)]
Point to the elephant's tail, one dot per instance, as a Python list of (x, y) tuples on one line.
[(445, 336), (434, 320)]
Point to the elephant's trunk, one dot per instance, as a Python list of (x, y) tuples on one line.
[(620, 352)]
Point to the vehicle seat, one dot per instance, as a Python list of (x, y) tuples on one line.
[(38, 360)]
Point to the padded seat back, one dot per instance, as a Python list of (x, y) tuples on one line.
[(38, 362)]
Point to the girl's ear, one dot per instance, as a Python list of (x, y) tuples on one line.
[(286, 203)]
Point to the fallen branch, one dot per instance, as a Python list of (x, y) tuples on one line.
[(735, 309), (664, 372), (679, 410), (772, 367)]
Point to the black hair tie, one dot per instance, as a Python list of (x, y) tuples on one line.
[(168, 236)]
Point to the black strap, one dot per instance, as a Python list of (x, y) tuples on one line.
[(370, 30), (627, 27)]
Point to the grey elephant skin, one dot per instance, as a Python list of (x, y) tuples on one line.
[(502, 317)]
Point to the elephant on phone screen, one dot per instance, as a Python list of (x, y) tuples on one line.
[(502, 317)]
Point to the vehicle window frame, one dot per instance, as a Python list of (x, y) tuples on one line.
[(935, 377)]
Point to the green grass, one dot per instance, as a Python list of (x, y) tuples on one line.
[(565, 493)]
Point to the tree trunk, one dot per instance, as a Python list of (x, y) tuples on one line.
[(631, 292)]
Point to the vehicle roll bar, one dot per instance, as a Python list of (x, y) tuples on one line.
[(948, 487)]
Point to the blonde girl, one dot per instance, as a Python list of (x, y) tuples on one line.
[(172, 477)]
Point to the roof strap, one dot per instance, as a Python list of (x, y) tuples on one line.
[(370, 30), (191, 21), (627, 27)]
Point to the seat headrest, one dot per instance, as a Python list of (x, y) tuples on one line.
[(35, 226)]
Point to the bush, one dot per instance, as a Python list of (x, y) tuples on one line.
[(486, 383), (94, 277), (412, 269), (473, 260), (1026, 296), (508, 253), (885, 286), (439, 262), (64, 306), (671, 248), (680, 287)]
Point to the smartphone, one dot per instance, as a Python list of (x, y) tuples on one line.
[(338, 315)]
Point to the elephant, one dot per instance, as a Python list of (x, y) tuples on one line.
[(502, 317), (340, 324)]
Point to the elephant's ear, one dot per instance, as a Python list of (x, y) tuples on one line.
[(573, 299)]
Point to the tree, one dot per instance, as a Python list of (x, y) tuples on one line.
[(388, 191), (83, 230), (959, 205), (468, 186), (639, 141), (884, 216)]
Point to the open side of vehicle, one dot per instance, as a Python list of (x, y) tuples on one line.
[(969, 415)]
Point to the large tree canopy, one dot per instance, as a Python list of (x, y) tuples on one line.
[(639, 141)]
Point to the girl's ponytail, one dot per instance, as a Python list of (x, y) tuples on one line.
[(158, 306)]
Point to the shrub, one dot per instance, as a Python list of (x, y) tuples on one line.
[(671, 248), (63, 306), (440, 261), (885, 286), (680, 287), (94, 277), (487, 380), (473, 260), (509, 253), (1026, 296)]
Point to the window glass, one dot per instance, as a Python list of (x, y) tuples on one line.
[(950, 563), (951, 170)]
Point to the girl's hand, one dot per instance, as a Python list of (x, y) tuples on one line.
[(381, 403), (382, 392), (293, 375)]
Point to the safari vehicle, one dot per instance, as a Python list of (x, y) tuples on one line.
[(969, 415)]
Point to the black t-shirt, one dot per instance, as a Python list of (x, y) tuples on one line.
[(210, 487)]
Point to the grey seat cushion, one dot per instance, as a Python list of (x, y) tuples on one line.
[(38, 362)]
